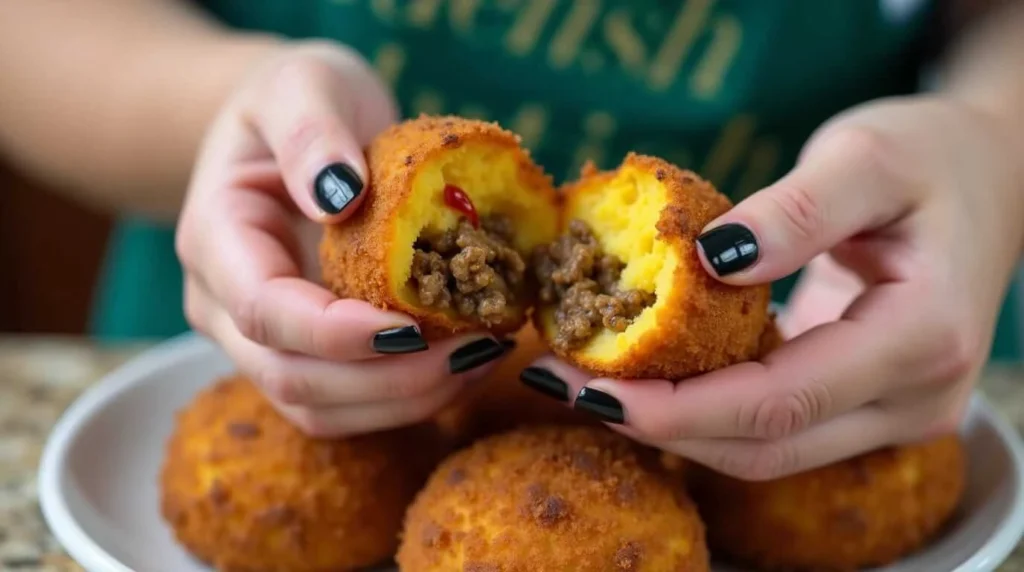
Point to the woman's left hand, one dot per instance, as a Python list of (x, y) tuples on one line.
[(910, 216)]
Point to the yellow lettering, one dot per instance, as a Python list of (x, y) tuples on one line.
[(522, 36), (725, 44), (383, 9), (389, 62), (423, 13), (530, 123), (462, 14), (427, 102), (573, 32), (732, 142), (624, 41), (761, 166), (677, 43)]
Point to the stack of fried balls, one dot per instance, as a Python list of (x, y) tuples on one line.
[(464, 232)]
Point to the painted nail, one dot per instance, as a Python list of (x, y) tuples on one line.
[(509, 344), (475, 354), (335, 187), (729, 248), (600, 404), (542, 380), (404, 340)]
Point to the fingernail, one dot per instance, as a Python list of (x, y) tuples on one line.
[(509, 344), (542, 380), (335, 187), (475, 354), (600, 404), (404, 340), (729, 248)]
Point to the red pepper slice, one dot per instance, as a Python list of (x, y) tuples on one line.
[(458, 200)]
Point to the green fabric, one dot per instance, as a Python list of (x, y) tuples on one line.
[(140, 290), (729, 88)]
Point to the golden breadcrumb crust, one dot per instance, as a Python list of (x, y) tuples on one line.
[(246, 492), (867, 511), (355, 254), (552, 499), (705, 324)]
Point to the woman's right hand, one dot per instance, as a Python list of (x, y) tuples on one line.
[(283, 157)]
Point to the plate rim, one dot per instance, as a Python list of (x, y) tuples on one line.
[(53, 502), (89, 554)]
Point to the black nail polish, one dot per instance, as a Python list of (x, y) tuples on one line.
[(509, 344), (729, 248), (335, 187), (404, 340), (475, 354), (600, 404), (542, 380)]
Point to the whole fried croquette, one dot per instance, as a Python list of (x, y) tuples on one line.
[(453, 211), (551, 499), (623, 293), (867, 511), (500, 402), (245, 491)]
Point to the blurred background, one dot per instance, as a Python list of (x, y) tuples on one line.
[(51, 252)]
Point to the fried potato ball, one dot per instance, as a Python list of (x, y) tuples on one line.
[(645, 217), (867, 511), (245, 491), (500, 402), (409, 242), (542, 499)]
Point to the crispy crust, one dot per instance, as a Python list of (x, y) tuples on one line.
[(858, 513), (354, 254), (705, 324), (245, 491), (552, 498)]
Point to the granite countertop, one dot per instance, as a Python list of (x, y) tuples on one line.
[(41, 376)]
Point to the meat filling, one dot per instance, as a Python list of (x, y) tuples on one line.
[(577, 274), (473, 271)]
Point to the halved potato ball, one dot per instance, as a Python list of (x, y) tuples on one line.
[(246, 492), (455, 207), (623, 293), (867, 511), (552, 499)]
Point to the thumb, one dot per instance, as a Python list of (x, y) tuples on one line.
[(316, 115), (840, 188)]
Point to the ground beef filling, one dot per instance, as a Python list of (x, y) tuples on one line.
[(473, 271), (577, 274)]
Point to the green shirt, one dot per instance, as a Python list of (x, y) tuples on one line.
[(728, 88)]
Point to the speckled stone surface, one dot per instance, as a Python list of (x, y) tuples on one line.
[(40, 377)]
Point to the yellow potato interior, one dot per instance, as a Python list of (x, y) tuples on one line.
[(623, 214), (489, 174)]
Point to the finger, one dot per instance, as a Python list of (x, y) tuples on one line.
[(848, 435), (820, 374), (253, 271), (553, 378), (293, 379), (358, 419), (822, 294), (842, 186), (316, 116)]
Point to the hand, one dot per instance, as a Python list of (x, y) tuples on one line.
[(283, 157), (909, 212)]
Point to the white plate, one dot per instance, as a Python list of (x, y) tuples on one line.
[(98, 478)]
